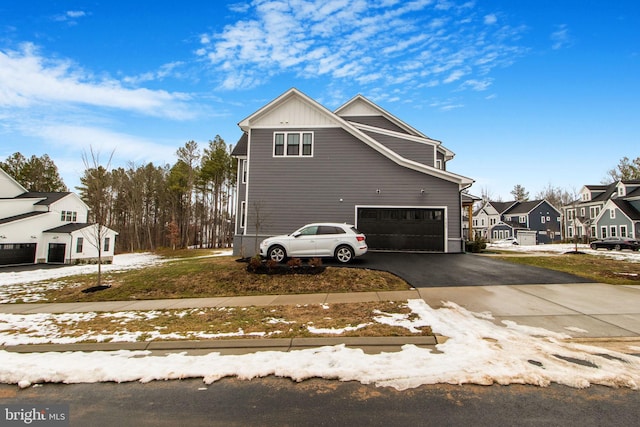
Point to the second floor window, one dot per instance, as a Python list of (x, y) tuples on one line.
[(293, 144), (68, 216)]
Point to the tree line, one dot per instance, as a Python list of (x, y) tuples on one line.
[(189, 203)]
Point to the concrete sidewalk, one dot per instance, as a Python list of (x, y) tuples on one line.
[(591, 312)]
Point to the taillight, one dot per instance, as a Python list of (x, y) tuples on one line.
[(360, 238)]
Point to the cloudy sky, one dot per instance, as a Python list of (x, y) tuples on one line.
[(534, 93)]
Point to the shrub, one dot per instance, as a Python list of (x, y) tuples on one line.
[(315, 262), (476, 245), (294, 262)]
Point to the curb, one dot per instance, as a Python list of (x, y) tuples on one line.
[(235, 346)]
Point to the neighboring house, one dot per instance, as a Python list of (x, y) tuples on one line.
[(604, 211), (533, 222), (47, 227), (537, 219), (300, 163), (488, 216)]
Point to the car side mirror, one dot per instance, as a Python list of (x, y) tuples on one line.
[(296, 234)]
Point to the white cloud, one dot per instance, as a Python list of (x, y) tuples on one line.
[(560, 38), (355, 39), (28, 79), (490, 19)]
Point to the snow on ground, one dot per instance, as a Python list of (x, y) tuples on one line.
[(477, 352), (29, 285), (624, 255)]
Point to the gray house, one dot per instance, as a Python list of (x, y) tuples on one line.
[(537, 218), (299, 163), (605, 211)]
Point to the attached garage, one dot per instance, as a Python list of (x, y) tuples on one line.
[(403, 228), (17, 253)]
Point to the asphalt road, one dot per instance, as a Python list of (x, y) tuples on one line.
[(440, 270), (279, 402)]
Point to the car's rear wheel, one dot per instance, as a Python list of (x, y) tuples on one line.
[(277, 253), (617, 247), (344, 254)]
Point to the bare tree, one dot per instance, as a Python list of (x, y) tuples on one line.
[(95, 190)]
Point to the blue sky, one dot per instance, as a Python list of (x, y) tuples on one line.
[(534, 93)]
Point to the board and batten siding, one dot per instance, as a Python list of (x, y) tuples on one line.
[(342, 173)]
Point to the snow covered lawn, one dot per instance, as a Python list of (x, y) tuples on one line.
[(477, 352), (625, 255)]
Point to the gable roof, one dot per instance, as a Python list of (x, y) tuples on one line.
[(627, 209), (360, 106), (9, 187), (501, 207), (10, 219), (240, 150), (69, 228), (47, 198), (315, 113)]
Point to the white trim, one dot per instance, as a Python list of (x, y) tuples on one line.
[(462, 181), (286, 133), (445, 219)]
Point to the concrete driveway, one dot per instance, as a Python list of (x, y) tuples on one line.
[(422, 270)]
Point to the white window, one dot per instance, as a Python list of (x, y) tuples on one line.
[(623, 231), (621, 191), (438, 164), (613, 231), (244, 171), (243, 214), (612, 213), (79, 244), (582, 212), (293, 144), (603, 231), (68, 216), (493, 221), (482, 220), (593, 231), (542, 219), (522, 220), (570, 230), (107, 244)]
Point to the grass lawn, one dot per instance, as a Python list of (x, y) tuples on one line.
[(281, 321), (190, 277), (596, 268)]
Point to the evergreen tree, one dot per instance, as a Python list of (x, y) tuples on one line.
[(38, 174), (519, 193)]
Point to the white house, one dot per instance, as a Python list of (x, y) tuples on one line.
[(48, 228)]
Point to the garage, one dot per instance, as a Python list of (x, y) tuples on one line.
[(403, 228), (17, 253)]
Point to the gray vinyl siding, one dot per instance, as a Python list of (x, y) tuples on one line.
[(535, 222), (375, 121), (607, 221), (440, 156), (292, 192), (416, 151)]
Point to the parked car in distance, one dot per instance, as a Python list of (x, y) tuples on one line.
[(340, 241), (507, 241), (617, 243)]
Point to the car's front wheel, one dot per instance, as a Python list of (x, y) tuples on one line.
[(618, 248), (594, 246), (276, 253), (344, 254)]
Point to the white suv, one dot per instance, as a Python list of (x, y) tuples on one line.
[(341, 241)]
